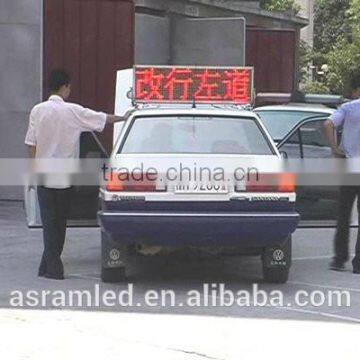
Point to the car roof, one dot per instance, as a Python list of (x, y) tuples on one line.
[(214, 111), (318, 108), (203, 110)]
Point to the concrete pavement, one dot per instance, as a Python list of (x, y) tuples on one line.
[(164, 331), (20, 252), (68, 335)]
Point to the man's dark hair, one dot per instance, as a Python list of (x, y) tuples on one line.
[(355, 80), (59, 78)]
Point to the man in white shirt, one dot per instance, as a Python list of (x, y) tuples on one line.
[(54, 132)]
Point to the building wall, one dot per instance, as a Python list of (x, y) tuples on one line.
[(194, 40), (163, 40), (194, 43), (21, 55), (307, 11), (92, 40), (152, 39), (21, 74)]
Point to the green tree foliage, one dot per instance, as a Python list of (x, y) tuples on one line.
[(342, 61), (281, 5), (315, 87), (353, 14), (305, 58), (331, 24), (336, 43)]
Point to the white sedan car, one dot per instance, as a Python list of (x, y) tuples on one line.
[(154, 195)]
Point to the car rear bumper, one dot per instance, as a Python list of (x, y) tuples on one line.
[(201, 229)]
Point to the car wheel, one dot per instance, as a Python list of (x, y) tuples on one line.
[(112, 276), (276, 275)]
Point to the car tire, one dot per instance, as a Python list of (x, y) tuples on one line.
[(276, 275), (113, 275)]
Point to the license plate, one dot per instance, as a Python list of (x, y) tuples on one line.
[(201, 188)]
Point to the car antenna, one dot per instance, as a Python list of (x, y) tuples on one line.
[(194, 103)]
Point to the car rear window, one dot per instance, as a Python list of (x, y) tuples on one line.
[(280, 123), (195, 135)]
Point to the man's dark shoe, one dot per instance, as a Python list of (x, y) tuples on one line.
[(42, 270), (337, 265), (356, 265), (55, 271), (54, 276), (42, 267)]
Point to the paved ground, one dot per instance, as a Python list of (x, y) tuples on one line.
[(59, 335), (20, 250)]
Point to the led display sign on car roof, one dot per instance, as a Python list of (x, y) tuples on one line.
[(174, 84)]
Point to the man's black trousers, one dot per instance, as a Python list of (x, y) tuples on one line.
[(54, 211), (347, 197)]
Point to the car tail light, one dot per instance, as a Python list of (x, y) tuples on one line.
[(122, 182), (282, 182)]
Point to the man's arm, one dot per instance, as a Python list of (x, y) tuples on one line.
[(330, 133), (32, 151), (30, 139), (111, 119)]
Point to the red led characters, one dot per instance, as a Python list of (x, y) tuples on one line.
[(238, 86), (209, 86), (149, 83), (178, 84), (186, 84)]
